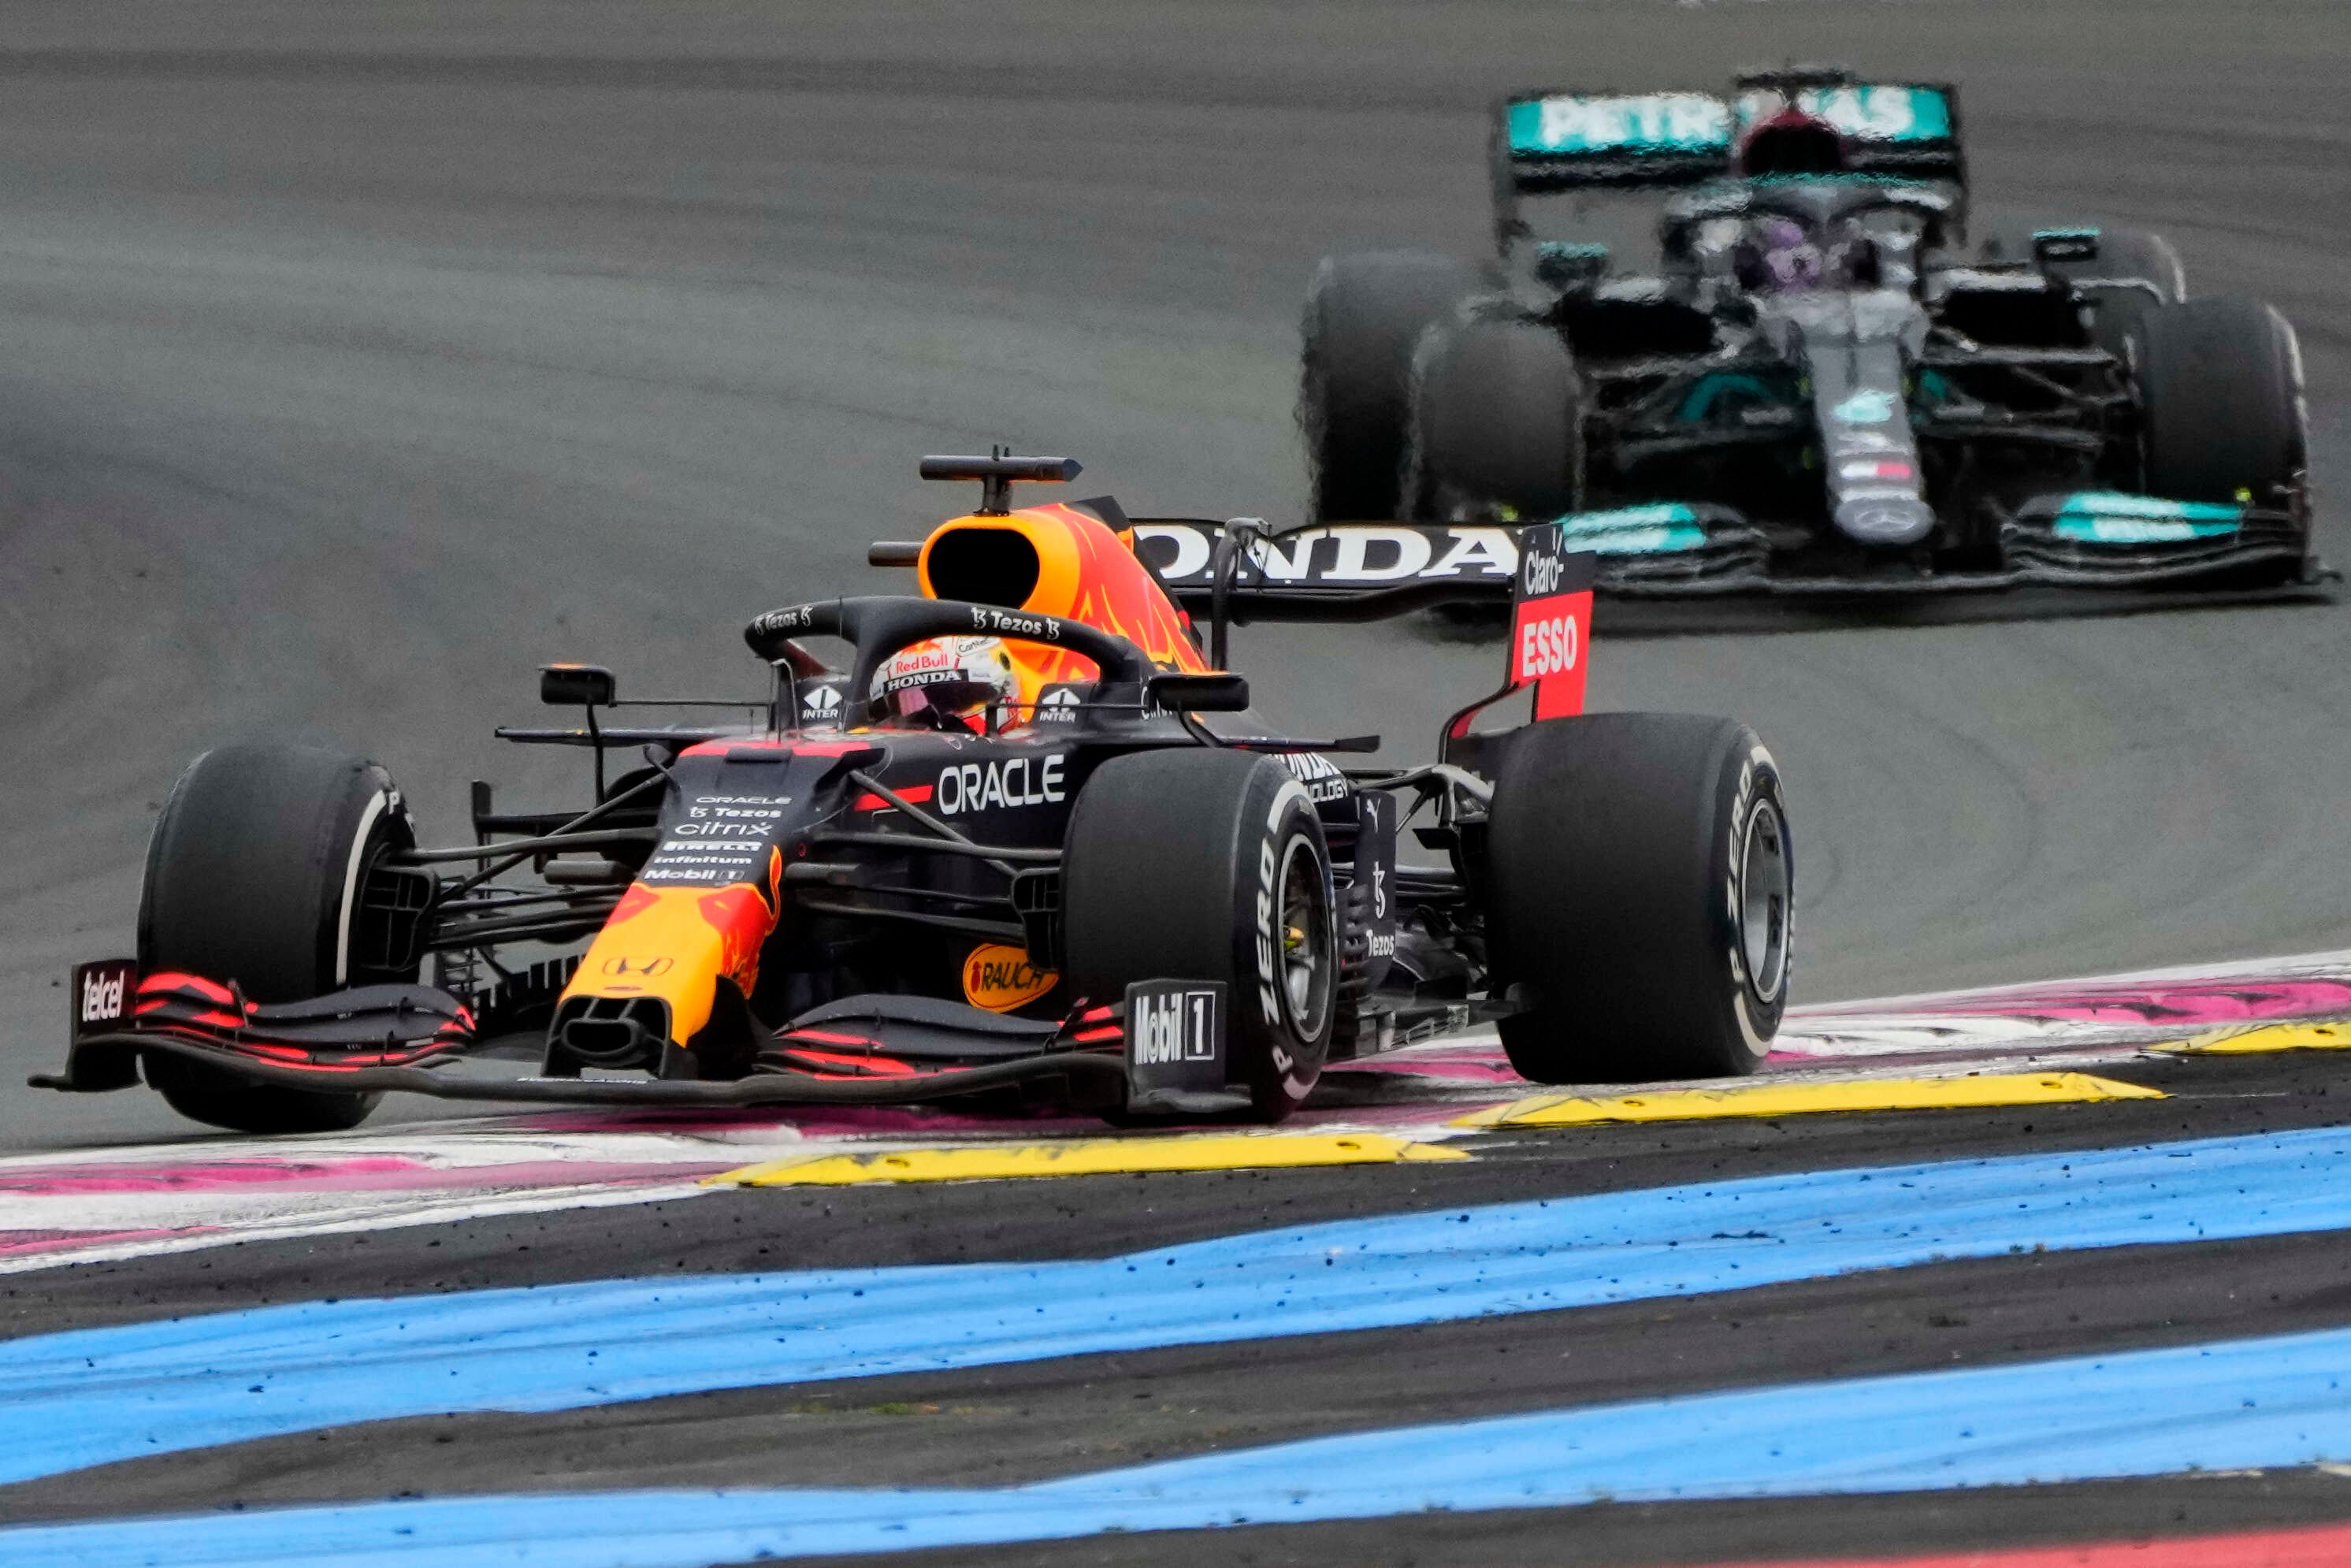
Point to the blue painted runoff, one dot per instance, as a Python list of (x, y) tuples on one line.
[(97, 1395), (2240, 1404)]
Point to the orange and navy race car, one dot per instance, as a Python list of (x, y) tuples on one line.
[(1017, 836)]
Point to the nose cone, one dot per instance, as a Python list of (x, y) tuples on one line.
[(1886, 522)]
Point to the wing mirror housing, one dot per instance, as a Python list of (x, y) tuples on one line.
[(577, 685), (1197, 694)]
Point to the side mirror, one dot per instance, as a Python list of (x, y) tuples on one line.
[(1197, 694), (894, 553), (2065, 245), (577, 685)]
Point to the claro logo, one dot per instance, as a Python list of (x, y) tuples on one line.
[(1015, 782)]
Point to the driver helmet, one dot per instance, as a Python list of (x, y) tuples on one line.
[(1777, 255), (947, 678)]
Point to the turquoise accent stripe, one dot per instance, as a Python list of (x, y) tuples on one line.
[(2109, 518), (93, 1397), (2238, 1404), (1659, 529)]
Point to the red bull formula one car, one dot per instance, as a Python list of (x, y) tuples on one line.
[(1016, 837)]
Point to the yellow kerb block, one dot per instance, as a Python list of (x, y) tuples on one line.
[(1091, 1157), (2252, 1040)]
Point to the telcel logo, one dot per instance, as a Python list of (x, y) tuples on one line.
[(103, 993)]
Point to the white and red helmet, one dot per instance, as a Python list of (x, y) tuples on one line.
[(950, 677)]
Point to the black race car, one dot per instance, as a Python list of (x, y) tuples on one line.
[(1821, 388), (1019, 837)]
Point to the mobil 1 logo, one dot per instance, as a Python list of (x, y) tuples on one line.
[(1176, 1035)]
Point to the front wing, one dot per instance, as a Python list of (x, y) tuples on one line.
[(862, 1051)]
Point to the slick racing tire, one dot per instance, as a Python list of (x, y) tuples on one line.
[(1363, 316), (1639, 874), (253, 875), (1498, 420), (2221, 399), (1210, 865)]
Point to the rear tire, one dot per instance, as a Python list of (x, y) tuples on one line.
[(1167, 856), (1363, 316), (1498, 420), (1639, 878), (253, 875), (2220, 385)]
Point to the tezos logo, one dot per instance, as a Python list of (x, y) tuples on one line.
[(1003, 624), (1014, 781)]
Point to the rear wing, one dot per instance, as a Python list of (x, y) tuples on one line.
[(1562, 141), (1330, 571)]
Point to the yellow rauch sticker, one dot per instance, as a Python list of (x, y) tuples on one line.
[(1000, 978)]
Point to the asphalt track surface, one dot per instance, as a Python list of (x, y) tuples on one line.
[(353, 361)]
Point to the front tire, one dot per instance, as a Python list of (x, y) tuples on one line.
[(2221, 393), (254, 875), (1498, 421), (1363, 316), (1639, 877), (1210, 865)]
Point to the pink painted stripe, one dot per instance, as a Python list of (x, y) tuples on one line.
[(81, 1178), (2324, 1546), (2185, 1003), (366, 1175), (24, 1243)]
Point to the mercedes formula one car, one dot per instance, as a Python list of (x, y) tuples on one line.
[(1017, 837), (1820, 388)]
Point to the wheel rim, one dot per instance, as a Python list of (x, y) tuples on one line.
[(1764, 901), (1305, 940)]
